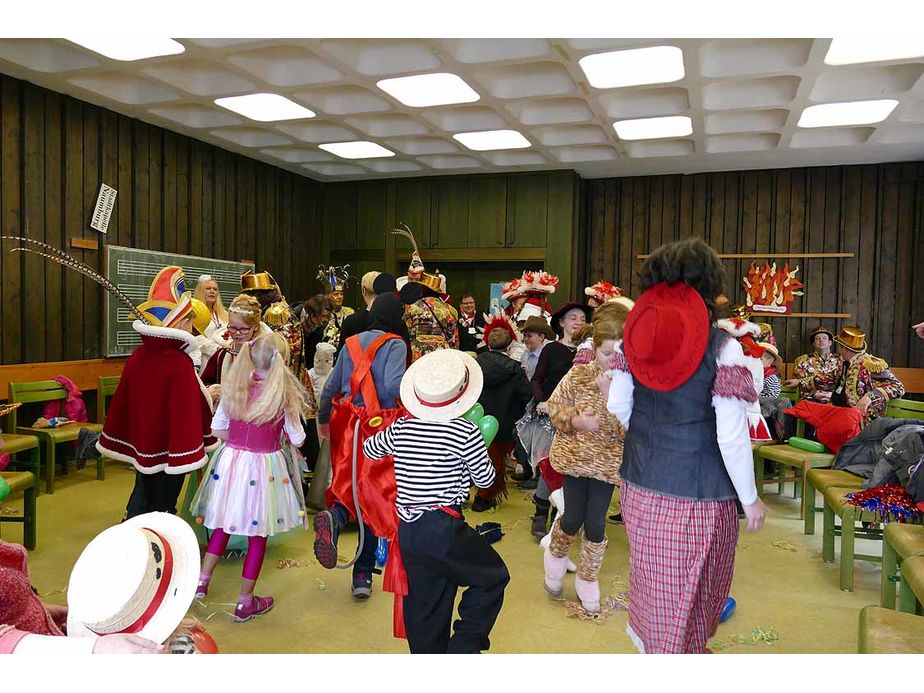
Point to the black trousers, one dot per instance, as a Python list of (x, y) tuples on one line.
[(154, 493), (312, 446), (441, 554), (586, 503)]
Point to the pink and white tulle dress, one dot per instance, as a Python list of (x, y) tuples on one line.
[(252, 486)]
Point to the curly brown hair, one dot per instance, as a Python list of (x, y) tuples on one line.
[(691, 261)]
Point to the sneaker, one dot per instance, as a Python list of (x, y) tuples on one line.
[(615, 519), (257, 607), (325, 538), (202, 591), (362, 585), (86, 446), (479, 505)]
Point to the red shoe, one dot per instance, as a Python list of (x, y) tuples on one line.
[(257, 607)]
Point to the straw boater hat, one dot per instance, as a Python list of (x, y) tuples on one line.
[(441, 385), (852, 337), (137, 577), (666, 335), (771, 349)]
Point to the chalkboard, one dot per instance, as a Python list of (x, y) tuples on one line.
[(132, 270)]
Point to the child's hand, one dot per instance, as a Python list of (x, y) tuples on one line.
[(585, 422), (756, 512)]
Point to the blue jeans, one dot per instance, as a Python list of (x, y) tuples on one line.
[(366, 560)]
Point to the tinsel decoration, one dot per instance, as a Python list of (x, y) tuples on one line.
[(73, 263), (888, 500)]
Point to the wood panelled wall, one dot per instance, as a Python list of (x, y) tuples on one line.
[(873, 211), (175, 194)]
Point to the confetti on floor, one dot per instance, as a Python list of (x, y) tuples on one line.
[(289, 563), (768, 637), (608, 607), (320, 584), (785, 545)]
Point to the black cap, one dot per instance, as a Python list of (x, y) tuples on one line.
[(384, 283)]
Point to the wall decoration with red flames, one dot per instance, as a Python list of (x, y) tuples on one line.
[(770, 289)]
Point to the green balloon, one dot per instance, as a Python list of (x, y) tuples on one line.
[(4, 488), (475, 413), (488, 427)]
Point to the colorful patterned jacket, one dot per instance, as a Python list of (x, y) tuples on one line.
[(867, 375), (817, 373), (432, 324)]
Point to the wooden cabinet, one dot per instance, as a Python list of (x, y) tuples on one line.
[(487, 212), (452, 209), (413, 208), (371, 222), (340, 215)]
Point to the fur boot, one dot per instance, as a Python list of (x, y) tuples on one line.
[(585, 582), (555, 559)]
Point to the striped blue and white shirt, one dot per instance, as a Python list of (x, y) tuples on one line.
[(435, 462)]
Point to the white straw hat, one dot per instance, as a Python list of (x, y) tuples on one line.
[(441, 385), (137, 577)]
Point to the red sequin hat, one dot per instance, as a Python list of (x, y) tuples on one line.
[(666, 335)]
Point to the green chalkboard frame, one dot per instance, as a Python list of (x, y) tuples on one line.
[(132, 269)]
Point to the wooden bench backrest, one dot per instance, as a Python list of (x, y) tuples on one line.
[(905, 409), (106, 389), (28, 393), (84, 374)]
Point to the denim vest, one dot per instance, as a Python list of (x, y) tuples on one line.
[(670, 447)]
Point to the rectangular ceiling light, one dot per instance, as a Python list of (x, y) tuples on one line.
[(654, 128), (356, 150), (437, 89), (265, 107), (851, 50), (130, 48), (656, 65), (848, 113), (489, 140)]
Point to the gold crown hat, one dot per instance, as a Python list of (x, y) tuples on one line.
[(852, 337), (416, 272), (334, 278), (259, 281), (277, 314), (740, 310)]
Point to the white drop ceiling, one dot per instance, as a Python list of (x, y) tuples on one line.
[(744, 97)]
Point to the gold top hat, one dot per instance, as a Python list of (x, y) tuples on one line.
[(852, 337), (431, 281), (259, 281)]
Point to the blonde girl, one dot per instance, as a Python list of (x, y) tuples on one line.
[(243, 326), (251, 487)]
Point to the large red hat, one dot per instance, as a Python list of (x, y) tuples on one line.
[(666, 335)]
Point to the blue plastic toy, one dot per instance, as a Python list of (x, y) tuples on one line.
[(728, 609), (381, 552)]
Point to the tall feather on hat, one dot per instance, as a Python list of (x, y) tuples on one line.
[(70, 262), (416, 272)]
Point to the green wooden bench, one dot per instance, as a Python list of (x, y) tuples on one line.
[(883, 631), (23, 482), (816, 481), (899, 541), (911, 591), (905, 409), (13, 444), (46, 391)]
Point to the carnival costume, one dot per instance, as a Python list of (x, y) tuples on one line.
[(251, 487), (679, 388), (531, 291), (335, 279), (602, 292), (431, 322), (817, 372), (278, 315), (747, 333), (864, 375)]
